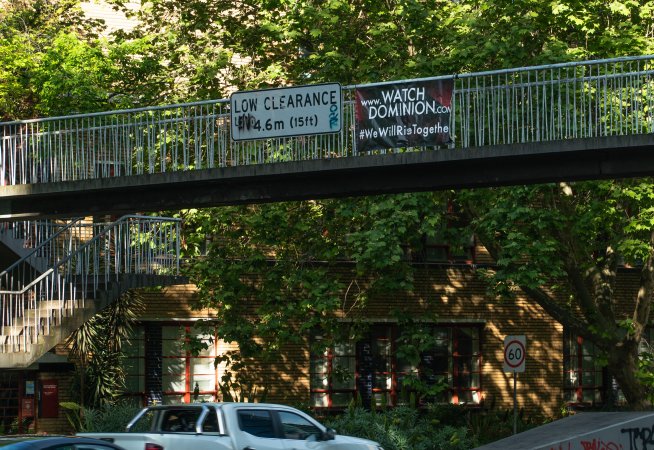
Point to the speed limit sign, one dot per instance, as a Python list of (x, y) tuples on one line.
[(515, 352)]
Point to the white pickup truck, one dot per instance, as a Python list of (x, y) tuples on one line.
[(229, 426)]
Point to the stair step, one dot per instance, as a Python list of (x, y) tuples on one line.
[(13, 330), (46, 306), (21, 345)]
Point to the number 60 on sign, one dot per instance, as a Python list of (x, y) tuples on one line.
[(515, 352)]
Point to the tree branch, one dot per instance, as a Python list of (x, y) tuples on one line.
[(645, 292), (559, 313), (594, 309)]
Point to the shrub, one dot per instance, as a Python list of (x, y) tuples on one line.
[(489, 425), (109, 418), (402, 428)]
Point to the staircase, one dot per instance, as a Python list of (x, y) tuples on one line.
[(68, 272)]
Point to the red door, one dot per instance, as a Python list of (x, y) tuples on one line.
[(49, 399)]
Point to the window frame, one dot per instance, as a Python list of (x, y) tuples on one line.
[(439, 242), (454, 392), (186, 394), (577, 387)]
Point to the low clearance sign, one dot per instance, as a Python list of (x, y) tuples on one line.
[(285, 112), (405, 114)]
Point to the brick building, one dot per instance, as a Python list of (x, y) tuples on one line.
[(468, 330), (450, 303)]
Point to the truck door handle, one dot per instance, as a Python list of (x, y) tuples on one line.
[(248, 448)]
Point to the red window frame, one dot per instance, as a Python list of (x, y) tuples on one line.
[(187, 394), (457, 392), (581, 372)]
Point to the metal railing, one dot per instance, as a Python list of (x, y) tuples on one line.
[(521, 105), (43, 242), (89, 257)]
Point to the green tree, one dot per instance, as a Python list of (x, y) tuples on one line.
[(308, 41), (563, 246), (53, 62), (559, 245), (275, 272), (564, 256)]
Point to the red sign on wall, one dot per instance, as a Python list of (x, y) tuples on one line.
[(49, 399), (27, 407)]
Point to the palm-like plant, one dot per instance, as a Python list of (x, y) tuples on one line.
[(97, 349)]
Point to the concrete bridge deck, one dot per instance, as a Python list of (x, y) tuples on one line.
[(509, 164)]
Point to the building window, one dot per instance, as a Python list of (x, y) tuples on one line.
[(10, 402), (452, 242), (585, 378), (134, 363), (454, 359), (372, 369), (185, 377), (438, 249)]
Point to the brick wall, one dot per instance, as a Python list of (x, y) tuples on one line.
[(448, 294), (457, 295), (172, 302), (442, 293), (60, 424)]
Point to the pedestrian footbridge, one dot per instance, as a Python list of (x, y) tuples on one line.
[(570, 121)]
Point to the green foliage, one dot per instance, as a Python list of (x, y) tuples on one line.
[(70, 76), (308, 41), (491, 425), (16, 426), (563, 244), (35, 38), (74, 414), (53, 62), (414, 340), (402, 428), (287, 259), (645, 372), (106, 419)]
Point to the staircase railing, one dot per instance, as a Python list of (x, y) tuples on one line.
[(44, 243), (31, 303), (29, 234)]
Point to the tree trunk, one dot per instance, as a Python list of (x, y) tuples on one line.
[(623, 366)]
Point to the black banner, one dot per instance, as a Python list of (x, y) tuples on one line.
[(409, 114)]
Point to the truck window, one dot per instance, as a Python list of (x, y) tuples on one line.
[(256, 422), (210, 424), (180, 420), (145, 423), (297, 427)]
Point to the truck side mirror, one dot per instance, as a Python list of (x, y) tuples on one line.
[(328, 435)]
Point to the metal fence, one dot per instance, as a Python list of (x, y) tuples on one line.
[(522, 105), (82, 259)]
